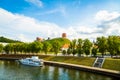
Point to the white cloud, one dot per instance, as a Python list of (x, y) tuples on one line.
[(35, 2), (27, 29), (108, 22), (19, 24), (83, 32), (112, 28), (104, 15)]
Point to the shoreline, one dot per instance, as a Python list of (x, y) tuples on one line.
[(101, 71)]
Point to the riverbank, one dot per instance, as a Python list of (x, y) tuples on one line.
[(110, 67), (101, 71), (110, 63)]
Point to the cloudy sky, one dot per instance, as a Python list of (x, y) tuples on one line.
[(27, 19)]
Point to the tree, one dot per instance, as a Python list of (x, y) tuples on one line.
[(87, 46), (74, 52), (1, 47), (94, 51), (46, 47), (69, 51), (64, 52), (25, 47), (7, 48), (72, 46), (80, 51), (113, 45), (79, 47), (117, 44), (35, 47), (11, 48), (56, 46), (21, 47), (102, 44), (15, 47)]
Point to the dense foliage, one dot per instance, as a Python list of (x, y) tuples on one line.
[(102, 44), (87, 46), (46, 47), (1, 47), (6, 40), (56, 47)]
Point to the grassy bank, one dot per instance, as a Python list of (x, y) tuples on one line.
[(113, 64), (72, 60)]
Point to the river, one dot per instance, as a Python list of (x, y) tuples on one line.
[(12, 70)]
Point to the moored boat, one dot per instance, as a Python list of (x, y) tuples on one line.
[(33, 61)]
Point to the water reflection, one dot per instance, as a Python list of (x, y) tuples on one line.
[(11, 70)]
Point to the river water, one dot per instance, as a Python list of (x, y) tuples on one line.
[(12, 70)]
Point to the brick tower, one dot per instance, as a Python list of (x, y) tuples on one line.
[(64, 35), (38, 39)]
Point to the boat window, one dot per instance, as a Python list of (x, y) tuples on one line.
[(30, 60)]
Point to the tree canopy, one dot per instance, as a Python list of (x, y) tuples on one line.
[(102, 44)]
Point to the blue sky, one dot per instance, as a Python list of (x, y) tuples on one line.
[(27, 19)]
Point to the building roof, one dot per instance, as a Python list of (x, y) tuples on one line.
[(65, 46)]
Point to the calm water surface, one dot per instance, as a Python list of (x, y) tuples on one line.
[(11, 70)]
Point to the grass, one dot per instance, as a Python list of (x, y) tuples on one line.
[(113, 64), (70, 59)]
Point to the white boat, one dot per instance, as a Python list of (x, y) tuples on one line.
[(33, 61)]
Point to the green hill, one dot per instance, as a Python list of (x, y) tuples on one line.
[(61, 40), (7, 40)]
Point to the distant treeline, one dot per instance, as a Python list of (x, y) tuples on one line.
[(50, 45), (6, 40)]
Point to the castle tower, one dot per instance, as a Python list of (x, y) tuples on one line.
[(64, 35), (38, 39)]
